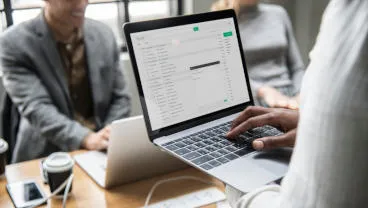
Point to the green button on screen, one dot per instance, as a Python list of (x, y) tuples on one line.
[(228, 34), (195, 29)]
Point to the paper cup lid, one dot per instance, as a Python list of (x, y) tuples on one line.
[(3, 146), (58, 162)]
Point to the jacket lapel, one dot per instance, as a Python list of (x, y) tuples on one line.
[(50, 50), (93, 59), (94, 64)]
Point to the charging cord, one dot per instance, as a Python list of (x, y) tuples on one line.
[(171, 180), (66, 184), (66, 191)]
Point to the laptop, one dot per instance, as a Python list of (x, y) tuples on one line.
[(192, 82), (130, 156)]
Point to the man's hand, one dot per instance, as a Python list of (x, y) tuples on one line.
[(97, 141), (276, 99), (252, 117)]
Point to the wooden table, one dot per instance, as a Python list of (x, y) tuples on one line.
[(86, 193)]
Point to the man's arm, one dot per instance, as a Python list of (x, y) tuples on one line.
[(283, 119), (34, 103)]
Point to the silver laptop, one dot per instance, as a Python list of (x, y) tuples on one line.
[(130, 156), (192, 81)]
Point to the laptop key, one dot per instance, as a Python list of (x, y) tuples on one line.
[(268, 133), (239, 145), (182, 151), (248, 135), (226, 129), (208, 141), (243, 152), (187, 141), (192, 148), (169, 143), (216, 139), (223, 131), (206, 166), (231, 149), (222, 145), (241, 138), (231, 156), (274, 132), (203, 136), (258, 130), (202, 132), (218, 132), (268, 127), (226, 142), (276, 129), (223, 160), (200, 144), (224, 124), (216, 155), (191, 156), (187, 137), (223, 152), (211, 134), (202, 159), (214, 163), (180, 144), (211, 149), (196, 139), (203, 152), (172, 147), (218, 145)]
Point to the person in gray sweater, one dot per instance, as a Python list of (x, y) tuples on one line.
[(272, 56)]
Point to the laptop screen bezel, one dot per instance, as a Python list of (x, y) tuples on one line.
[(130, 28)]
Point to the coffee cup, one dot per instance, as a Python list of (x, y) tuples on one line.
[(58, 167), (3, 151)]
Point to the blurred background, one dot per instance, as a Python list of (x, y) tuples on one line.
[(305, 15)]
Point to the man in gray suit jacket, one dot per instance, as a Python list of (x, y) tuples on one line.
[(62, 73)]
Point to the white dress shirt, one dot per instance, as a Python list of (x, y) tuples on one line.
[(329, 167)]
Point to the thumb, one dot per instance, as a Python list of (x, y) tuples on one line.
[(103, 145), (293, 104), (285, 140)]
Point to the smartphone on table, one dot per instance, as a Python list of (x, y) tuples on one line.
[(25, 193)]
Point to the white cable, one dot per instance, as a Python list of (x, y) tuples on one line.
[(170, 180), (66, 191), (55, 192)]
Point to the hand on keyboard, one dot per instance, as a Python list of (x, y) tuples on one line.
[(97, 141), (253, 117)]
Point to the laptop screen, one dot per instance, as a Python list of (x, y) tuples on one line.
[(190, 70)]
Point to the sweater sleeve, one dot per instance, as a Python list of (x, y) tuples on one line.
[(294, 60), (255, 85), (267, 196)]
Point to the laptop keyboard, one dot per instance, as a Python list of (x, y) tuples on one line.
[(210, 148)]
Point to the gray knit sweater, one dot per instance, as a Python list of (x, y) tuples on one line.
[(271, 52)]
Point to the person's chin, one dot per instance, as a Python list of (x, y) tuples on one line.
[(78, 23)]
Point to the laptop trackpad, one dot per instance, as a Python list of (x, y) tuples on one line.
[(243, 174), (275, 161), (256, 170)]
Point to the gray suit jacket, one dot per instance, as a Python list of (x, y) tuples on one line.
[(34, 78)]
